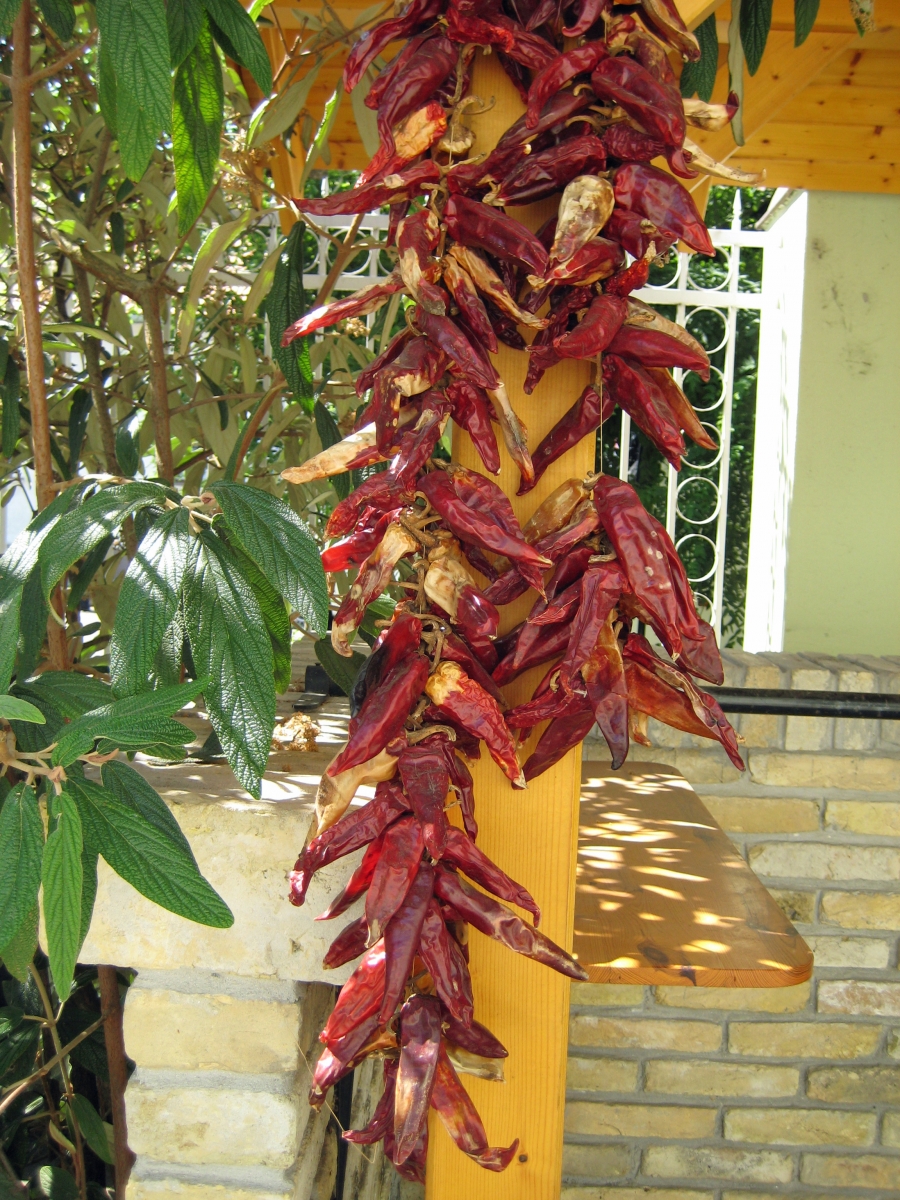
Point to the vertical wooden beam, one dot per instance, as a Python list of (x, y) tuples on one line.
[(532, 835)]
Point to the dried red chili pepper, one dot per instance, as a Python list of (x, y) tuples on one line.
[(398, 865), (420, 1042), (404, 185), (635, 233), (352, 832), (583, 523), (460, 851), (477, 511), (359, 999), (661, 690), (350, 943), (547, 705), (445, 333), (654, 105), (383, 1116), (558, 73), (470, 408), (366, 300), (384, 712), (665, 21), (454, 693), (367, 376), (464, 24), (357, 884), (392, 646), (595, 260), (474, 224), (415, 446), (542, 174), (417, 367), (445, 964), (595, 331), (386, 76), (601, 585), (585, 415), (461, 781), (555, 510), (496, 921), (636, 393), (374, 574), (543, 645), (604, 677), (426, 781), (352, 550), (651, 348), (401, 940), (334, 794), (457, 1113), (560, 736), (417, 238), (589, 13), (628, 144), (640, 543), (711, 117), (633, 278), (457, 650), (475, 1038), (471, 307), (377, 493), (331, 1067), (662, 200), (373, 41), (414, 86)]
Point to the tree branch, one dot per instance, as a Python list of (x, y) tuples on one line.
[(118, 1074), (159, 390), (28, 294)]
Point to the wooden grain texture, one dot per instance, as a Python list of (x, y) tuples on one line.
[(662, 897), (530, 834)]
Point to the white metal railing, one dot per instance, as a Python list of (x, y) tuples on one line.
[(683, 292)]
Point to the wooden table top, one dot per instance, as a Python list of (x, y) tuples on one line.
[(661, 895)]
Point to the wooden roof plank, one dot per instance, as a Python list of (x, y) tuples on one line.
[(663, 898)]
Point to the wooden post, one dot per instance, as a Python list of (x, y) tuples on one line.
[(533, 834)]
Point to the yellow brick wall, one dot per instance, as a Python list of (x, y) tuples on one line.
[(718, 1094)]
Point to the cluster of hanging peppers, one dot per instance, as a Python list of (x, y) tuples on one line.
[(429, 694)]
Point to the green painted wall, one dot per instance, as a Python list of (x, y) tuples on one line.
[(843, 566)]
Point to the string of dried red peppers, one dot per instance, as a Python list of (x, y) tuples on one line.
[(429, 695)]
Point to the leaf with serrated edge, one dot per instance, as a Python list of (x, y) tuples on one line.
[(197, 112), (700, 76), (277, 540), (131, 721), (133, 790), (61, 877), (78, 532), (805, 13), (246, 45), (147, 858), (134, 34), (148, 600), (19, 951), (230, 644), (184, 20), (755, 21), (21, 847)]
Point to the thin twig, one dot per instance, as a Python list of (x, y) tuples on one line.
[(118, 1074), (16, 1089), (159, 396), (340, 259)]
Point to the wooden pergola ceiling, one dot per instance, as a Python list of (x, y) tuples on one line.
[(825, 115)]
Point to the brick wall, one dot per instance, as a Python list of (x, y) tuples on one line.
[(719, 1094)]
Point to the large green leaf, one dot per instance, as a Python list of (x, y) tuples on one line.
[(699, 77), (87, 569), (278, 541), (184, 19), (107, 89), (756, 19), (239, 38), (127, 451), (230, 644), (68, 692), (147, 858), (284, 305), (275, 616), (133, 790), (196, 126), (21, 847), (147, 601), (61, 877), (93, 1129), (805, 13), (134, 721), (9, 10), (88, 890), (32, 625), (14, 709), (60, 16), (279, 113), (135, 35), (78, 532)]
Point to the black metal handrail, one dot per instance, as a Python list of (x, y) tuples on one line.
[(785, 702)]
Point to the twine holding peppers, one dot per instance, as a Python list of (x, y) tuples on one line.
[(429, 695)]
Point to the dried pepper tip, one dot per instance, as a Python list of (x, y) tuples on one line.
[(335, 792), (452, 691)]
